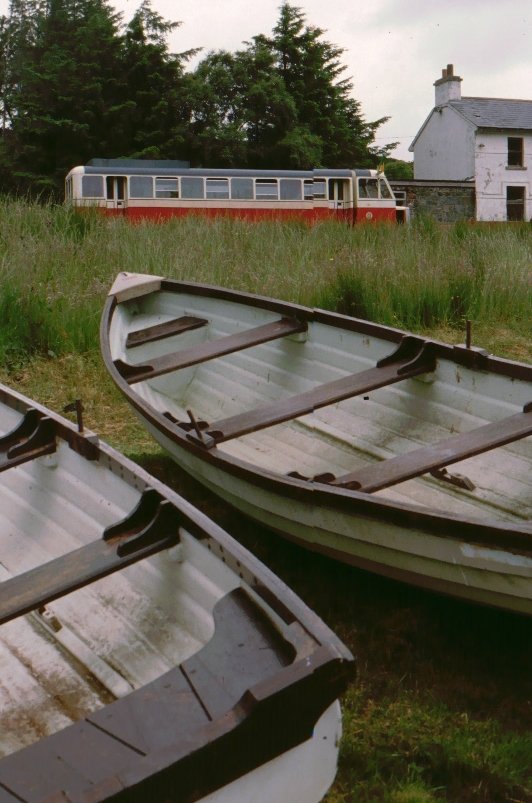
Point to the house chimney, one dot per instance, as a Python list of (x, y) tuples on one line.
[(447, 87)]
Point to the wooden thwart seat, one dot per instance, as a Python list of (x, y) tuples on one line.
[(430, 458), (210, 349), (33, 437), (412, 358), (159, 331), (152, 526)]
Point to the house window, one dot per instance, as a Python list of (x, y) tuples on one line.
[(515, 203), (515, 152)]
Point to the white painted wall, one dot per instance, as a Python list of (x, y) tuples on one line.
[(444, 148), (493, 176), (449, 147)]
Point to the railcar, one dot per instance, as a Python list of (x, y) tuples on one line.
[(162, 189)]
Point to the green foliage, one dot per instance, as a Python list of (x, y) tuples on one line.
[(153, 121), (66, 85), (397, 169), (75, 84), (280, 103)]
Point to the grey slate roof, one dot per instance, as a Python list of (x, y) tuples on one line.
[(495, 113)]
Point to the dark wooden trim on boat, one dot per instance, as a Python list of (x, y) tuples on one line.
[(33, 437), (435, 456), (210, 349), (177, 326), (152, 526), (413, 357)]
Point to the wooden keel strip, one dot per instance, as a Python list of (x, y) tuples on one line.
[(177, 326), (210, 349), (122, 544), (387, 372), (451, 450)]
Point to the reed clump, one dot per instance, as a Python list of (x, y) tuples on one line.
[(57, 265)]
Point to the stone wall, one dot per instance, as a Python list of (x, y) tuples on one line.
[(446, 201)]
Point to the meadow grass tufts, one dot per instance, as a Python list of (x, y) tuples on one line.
[(441, 708)]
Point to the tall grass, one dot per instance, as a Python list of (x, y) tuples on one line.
[(56, 266), (441, 708)]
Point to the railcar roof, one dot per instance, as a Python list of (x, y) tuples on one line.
[(135, 170)]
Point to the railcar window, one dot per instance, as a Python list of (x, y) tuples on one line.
[(320, 188), (290, 189), (92, 187), (192, 187), (266, 189), (308, 189), (217, 187), (166, 188), (385, 190), (367, 188), (141, 187), (242, 189)]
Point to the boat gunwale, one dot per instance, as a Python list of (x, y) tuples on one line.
[(512, 537)]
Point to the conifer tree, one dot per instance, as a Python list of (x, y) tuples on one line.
[(280, 103), (155, 118), (66, 91)]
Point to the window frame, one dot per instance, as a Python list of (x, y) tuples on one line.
[(168, 194), (516, 203), (216, 193), (265, 183), (516, 152)]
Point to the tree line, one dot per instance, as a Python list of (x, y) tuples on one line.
[(76, 83)]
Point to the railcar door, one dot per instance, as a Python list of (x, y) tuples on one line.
[(340, 197), (116, 192)]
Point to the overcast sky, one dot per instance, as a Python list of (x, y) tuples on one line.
[(394, 50)]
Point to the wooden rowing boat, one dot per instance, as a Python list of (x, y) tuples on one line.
[(144, 654), (401, 455)]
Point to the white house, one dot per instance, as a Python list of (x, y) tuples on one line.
[(485, 140)]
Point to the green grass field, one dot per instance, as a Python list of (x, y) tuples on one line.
[(442, 705)]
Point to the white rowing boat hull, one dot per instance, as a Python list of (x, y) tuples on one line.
[(463, 530), (140, 655)]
